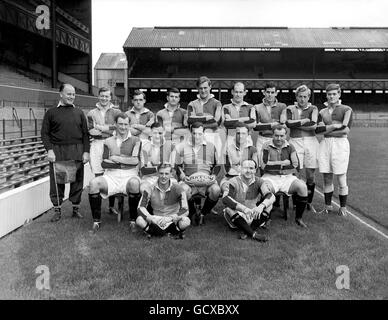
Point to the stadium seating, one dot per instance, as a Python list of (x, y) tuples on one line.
[(15, 77), (22, 161)]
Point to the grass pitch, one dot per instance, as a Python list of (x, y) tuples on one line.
[(211, 262)]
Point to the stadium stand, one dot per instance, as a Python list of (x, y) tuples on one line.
[(22, 160)]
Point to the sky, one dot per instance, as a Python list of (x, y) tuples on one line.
[(112, 20)]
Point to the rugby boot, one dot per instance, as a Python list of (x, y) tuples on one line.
[(113, 211), (57, 214), (300, 223), (342, 211), (243, 236), (96, 226), (326, 210), (259, 237), (76, 213), (311, 208), (132, 226)]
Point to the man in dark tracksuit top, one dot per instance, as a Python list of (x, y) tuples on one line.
[(65, 137)]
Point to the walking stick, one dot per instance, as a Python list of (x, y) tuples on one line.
[(56, 185)]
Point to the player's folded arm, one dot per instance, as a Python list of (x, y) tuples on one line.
[(263, 127)]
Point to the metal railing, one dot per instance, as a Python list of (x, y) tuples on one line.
[(25, 127)]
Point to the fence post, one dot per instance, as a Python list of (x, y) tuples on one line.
[(4, 129), (36, 127), (21, 128)]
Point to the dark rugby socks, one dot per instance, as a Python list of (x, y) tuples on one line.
[(328, 196), (208, 205), (95, 206), (111, 201), (300, 203), (243, 225), (343, 199), (310, 192), (133, 201)]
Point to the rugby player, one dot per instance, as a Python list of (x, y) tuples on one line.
[(242, 197), (279, 162), (238, 150), (207, 109), (168, 203), (154, 153), (173, 118), (268, 115), (120, 160), (141, 118), (302, 118), (334, 149), (195, 159), (238, 111), (101, 123)]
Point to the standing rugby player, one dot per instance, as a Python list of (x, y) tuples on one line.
[(302, 118), (334, 149)]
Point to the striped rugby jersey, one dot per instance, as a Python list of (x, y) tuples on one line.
[(238, 192), (146, 117), (164, 203), (195, 160), (95, 116), (293, 112), (264, 116), (339, 114)]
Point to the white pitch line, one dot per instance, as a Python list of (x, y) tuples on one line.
[(357, 218)]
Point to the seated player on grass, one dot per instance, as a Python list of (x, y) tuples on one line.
[(279, 163), (163, 206), (241, 198), (120, 160)]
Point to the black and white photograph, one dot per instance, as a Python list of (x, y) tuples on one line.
[(193, 155)]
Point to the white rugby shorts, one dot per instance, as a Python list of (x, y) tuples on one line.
[(279, 183), (333, 155), (307, 150), (117, 180)]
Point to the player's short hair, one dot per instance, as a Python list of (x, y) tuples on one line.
[(333, 86), (121, 115), (164, 165), (236, 83), (156, 125), (196, 125), (138, 93), (250, 160), (269, 85), (302, 88), (104, 89), (279, 127), (173, 90), (202, 80)]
